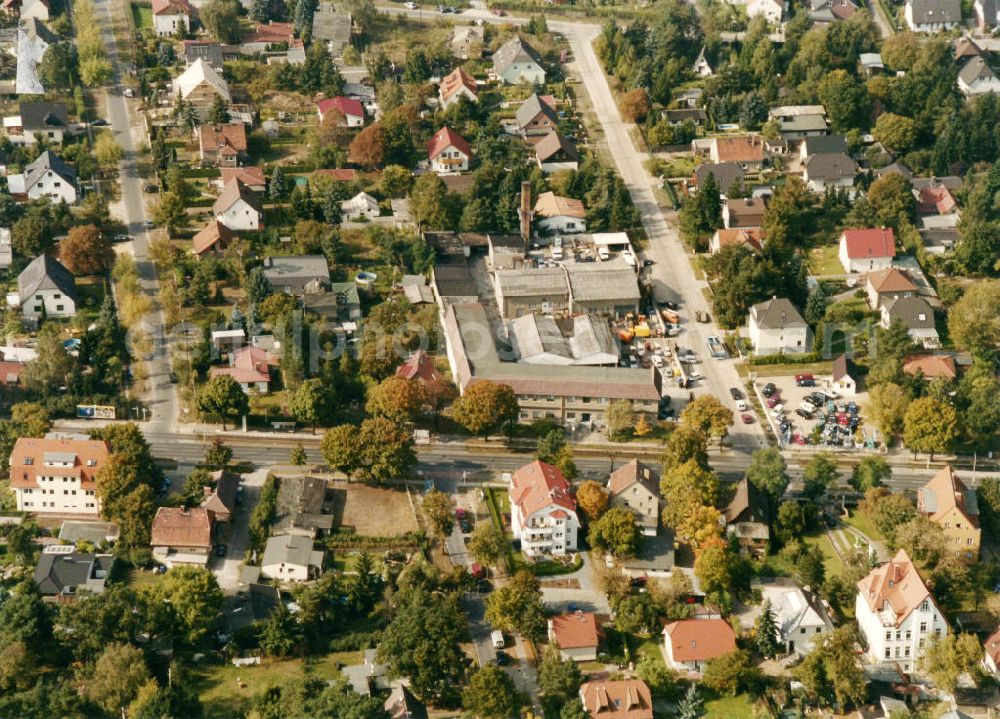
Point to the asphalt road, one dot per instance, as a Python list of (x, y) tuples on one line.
[(446, 463), (131, 210)]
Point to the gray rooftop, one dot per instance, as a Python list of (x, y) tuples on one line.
[(590, 282), (933, 12), (332, 27), (45, 162), (93, 532), (531, 282), (583, 339), (295, 272), (514, 50), (291, 549), (66, 573), (822, 144), (530, 108), (300, 506), (776, 313), (726, 174), (830, 166), (42, 116), (45, 273), (914, 312), (975, 69)]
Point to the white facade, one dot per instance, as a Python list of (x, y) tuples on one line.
[(361, 205), (285, 572), (524, 70), (561, 224), (892, 641), (450, 159), (57, 494), (550, 530), (53, 186), (167, 24), (821, 186), (6, 252), (927, 27), (771, 10), (55, 302), (984, 83), (861, 264), (34, 10), (240, 216)]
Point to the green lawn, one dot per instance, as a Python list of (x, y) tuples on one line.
[(345, 562), (824, 261), (139, 578), (223, 698), (831, 561), (737, 707), (142, 16), (860, 521)]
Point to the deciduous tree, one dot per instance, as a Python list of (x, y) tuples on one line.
[(870, 472), (488, 545), (398, 399), (486, 407), (974, 321), (368, 147), (118, 674), (439, 509), (831, 672), (491, 694), (311, 403), (732, 673), (709, 415), (222, 396), (592, 498), (947, 658), (340, 448), (819, 474), (616, 532), (886, 407), (684, 443), (517, 606), (930, 425)]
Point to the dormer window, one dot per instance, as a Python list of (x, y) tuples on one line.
[(29, 460)]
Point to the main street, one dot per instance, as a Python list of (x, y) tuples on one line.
[(451, 463)]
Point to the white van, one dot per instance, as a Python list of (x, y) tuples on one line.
[(602, 253), (629, 259), (557, 249), (496, 636)]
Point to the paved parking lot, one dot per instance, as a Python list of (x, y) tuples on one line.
[(792, 396)]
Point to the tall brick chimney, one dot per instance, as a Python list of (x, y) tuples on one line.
[(525, 214)]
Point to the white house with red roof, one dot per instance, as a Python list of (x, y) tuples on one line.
[(419, 366), (867, 250), (577, 635), (169, 16), (57, 475), (250, 367), (352, 110), (689, 643), (897, 614), (991, 650), (543, 511), (448, 152), (456, 85)]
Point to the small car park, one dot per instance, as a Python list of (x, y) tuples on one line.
[(735, 393)]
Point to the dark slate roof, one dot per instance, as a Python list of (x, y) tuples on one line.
[(726, 174), (776, 313), (48, 160), (554, 143), (42, 116), (830, 166), (63, 573), (914, 312), (824, 144), (530, 109), (976, 69), (45, 273)]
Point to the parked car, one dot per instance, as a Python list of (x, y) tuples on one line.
[(741, 405), (410, 6), (502, 659), (220, 550), (807, 406), (852, 407), (804, 413), (768, 390), (747, 419), (668, 305), (735, 393), (772, 402), (100, 123), (694, 374)]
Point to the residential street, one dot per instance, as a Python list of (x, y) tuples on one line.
[(126, 125)]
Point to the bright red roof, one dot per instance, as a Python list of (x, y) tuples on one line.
[(347, 106), (445, 138), (537, 485), (697, 640), (877, 242), (418, 366)]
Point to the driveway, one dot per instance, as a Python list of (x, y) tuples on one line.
[(237, 535)]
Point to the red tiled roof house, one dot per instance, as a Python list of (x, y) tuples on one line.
[(57, 475), (222, 145), (622, 699), (577, 635), (867, 250), (447, 151), (182, 535), (543, 511), (250, 368), (352, 110), (689, 643)]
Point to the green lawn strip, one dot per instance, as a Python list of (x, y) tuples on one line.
[(223, 697), (860, 522), (142, 16), (737, 707), (831, 561), (825, 261)]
